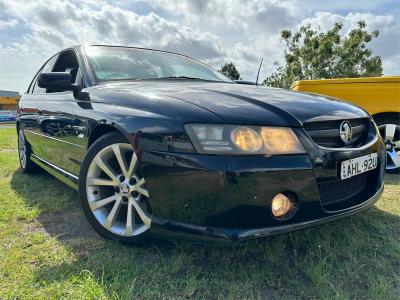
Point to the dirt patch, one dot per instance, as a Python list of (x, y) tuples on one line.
[(63, 225)]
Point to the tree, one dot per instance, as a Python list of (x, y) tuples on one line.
[(230, 71), (310, 54)]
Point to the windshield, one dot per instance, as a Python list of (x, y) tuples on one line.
[(118, 63)]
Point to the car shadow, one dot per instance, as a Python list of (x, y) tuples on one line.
[(275, 259)]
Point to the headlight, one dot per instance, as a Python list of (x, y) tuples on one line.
[(246, 139), (242, 140)]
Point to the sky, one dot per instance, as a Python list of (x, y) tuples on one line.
[(213, 31)]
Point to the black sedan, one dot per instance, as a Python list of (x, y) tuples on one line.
[(160, 144)]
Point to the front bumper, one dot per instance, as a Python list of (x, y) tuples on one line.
[(227, 199), (186, 231)]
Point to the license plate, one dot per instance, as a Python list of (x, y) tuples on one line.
[(355, 166)]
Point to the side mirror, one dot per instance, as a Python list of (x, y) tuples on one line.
[(59, 81)]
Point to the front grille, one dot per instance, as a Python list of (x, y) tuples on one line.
[(333, 124), (339, 194), (341, 190), (326, 133)]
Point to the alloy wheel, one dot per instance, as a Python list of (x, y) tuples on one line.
[(391, 135), (116, 192), (22, 149)]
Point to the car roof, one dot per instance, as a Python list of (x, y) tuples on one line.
[(347, 80)]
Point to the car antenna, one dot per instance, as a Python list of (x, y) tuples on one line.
[(259, 68)]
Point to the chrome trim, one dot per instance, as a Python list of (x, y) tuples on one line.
[(345, 132), (363, 147), (52, 138), (333, 132), (65, 176)]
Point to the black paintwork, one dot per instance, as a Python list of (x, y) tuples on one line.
[(56, 81), (206, 195)]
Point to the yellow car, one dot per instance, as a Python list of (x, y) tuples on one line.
[(380, 96)]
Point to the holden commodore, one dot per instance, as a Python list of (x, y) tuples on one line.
[(159, 144)]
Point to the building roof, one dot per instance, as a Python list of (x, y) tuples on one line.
[(10, 94)]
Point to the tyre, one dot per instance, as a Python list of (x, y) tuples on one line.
[(113, 192), (389, 128), (24, 155)]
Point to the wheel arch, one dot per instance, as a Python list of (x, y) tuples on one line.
[(102, 129), (386, 115)]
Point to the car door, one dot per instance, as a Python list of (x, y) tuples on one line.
[(29, 107), (53, 128)]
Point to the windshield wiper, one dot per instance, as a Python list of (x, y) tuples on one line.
[(184, 77), (181, 77)]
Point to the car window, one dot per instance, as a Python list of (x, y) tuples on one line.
[(119, 63), (48, 67), (64, 62), (67, 62), (188, 70)]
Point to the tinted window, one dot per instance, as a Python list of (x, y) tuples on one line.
[(118, 63), (67, 62), (48, 67)]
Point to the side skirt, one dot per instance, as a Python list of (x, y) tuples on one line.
[(64, 176)]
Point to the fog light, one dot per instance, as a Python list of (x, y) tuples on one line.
[(281, 205)]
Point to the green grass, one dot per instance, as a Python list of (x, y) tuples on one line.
[(48, 251)]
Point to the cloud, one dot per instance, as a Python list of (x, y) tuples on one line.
[(55, 25), (248, 30), (66, 22), (231, 12), (214, 31), (340, 5), (4, 24)]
